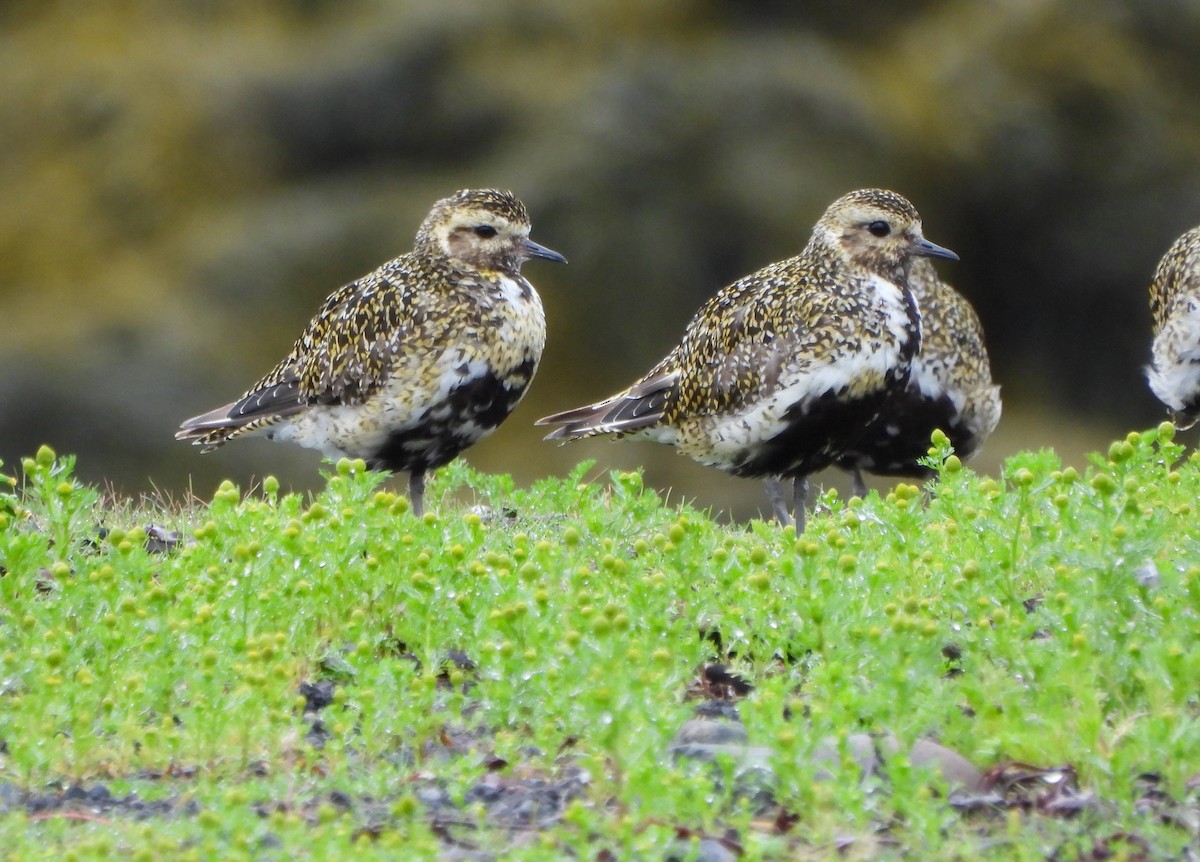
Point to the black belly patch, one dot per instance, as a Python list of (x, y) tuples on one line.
[(901, 435), (469, 412), (815, 436)]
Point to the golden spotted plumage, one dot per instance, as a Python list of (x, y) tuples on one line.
[(414, 362), (1174, 374), (778, 372)]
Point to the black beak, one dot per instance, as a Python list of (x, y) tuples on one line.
[(534, 250), (925, 248)]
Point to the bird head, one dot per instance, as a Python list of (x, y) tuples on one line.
[(878, 230), (483, 228)]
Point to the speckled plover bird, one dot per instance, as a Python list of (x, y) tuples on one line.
[(950, 387), (1174, 373), (410, 365), (782, 369)]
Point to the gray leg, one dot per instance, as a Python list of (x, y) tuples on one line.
[(800, 501), (774, 488), (858, 485), (416, 491)]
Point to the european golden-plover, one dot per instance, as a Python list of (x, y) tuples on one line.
[(782, 369), (1174, 373), (950, 387), (410, 365)]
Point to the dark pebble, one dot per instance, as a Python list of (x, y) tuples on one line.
[(484, 792), (434, 796), (741, 755), (460, 659), (318, 734), (956, 770), (707, 732), (39, 802), (160, 540), (10, 796), (317, 695)]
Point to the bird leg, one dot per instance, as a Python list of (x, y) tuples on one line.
[(774, 488), (416, 491), (779, 507), (1183, 419), (858, 485), (800, 501)]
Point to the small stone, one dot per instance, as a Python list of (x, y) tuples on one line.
[(864, 749), (743, 755), (484, 791), (459, 659), (99, 795), (318, 734), (317, 695), (10, 796), (707, 732), (434, 796), (958, 772), (160, 540), (1147, 574), (36, 803)]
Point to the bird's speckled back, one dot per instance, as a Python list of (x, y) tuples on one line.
[(1176, 278)]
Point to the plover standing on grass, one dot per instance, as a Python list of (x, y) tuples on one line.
[(780, 371), (410, 365)]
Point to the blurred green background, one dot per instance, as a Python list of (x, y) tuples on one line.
[(185, 180)]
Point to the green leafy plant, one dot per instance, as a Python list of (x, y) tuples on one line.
[(334, 677)]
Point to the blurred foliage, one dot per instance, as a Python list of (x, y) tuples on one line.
[(184, 181)]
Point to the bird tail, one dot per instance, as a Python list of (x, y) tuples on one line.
[(209, 429), (254, 410), (638, 407)]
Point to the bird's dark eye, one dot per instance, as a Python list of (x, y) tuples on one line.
[(486, 231), (879, 228)]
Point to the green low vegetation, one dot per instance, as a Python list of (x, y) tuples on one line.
[(515, 638)]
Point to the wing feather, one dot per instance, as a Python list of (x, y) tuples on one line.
[(729, 353), (640, 406), (345, 354)]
